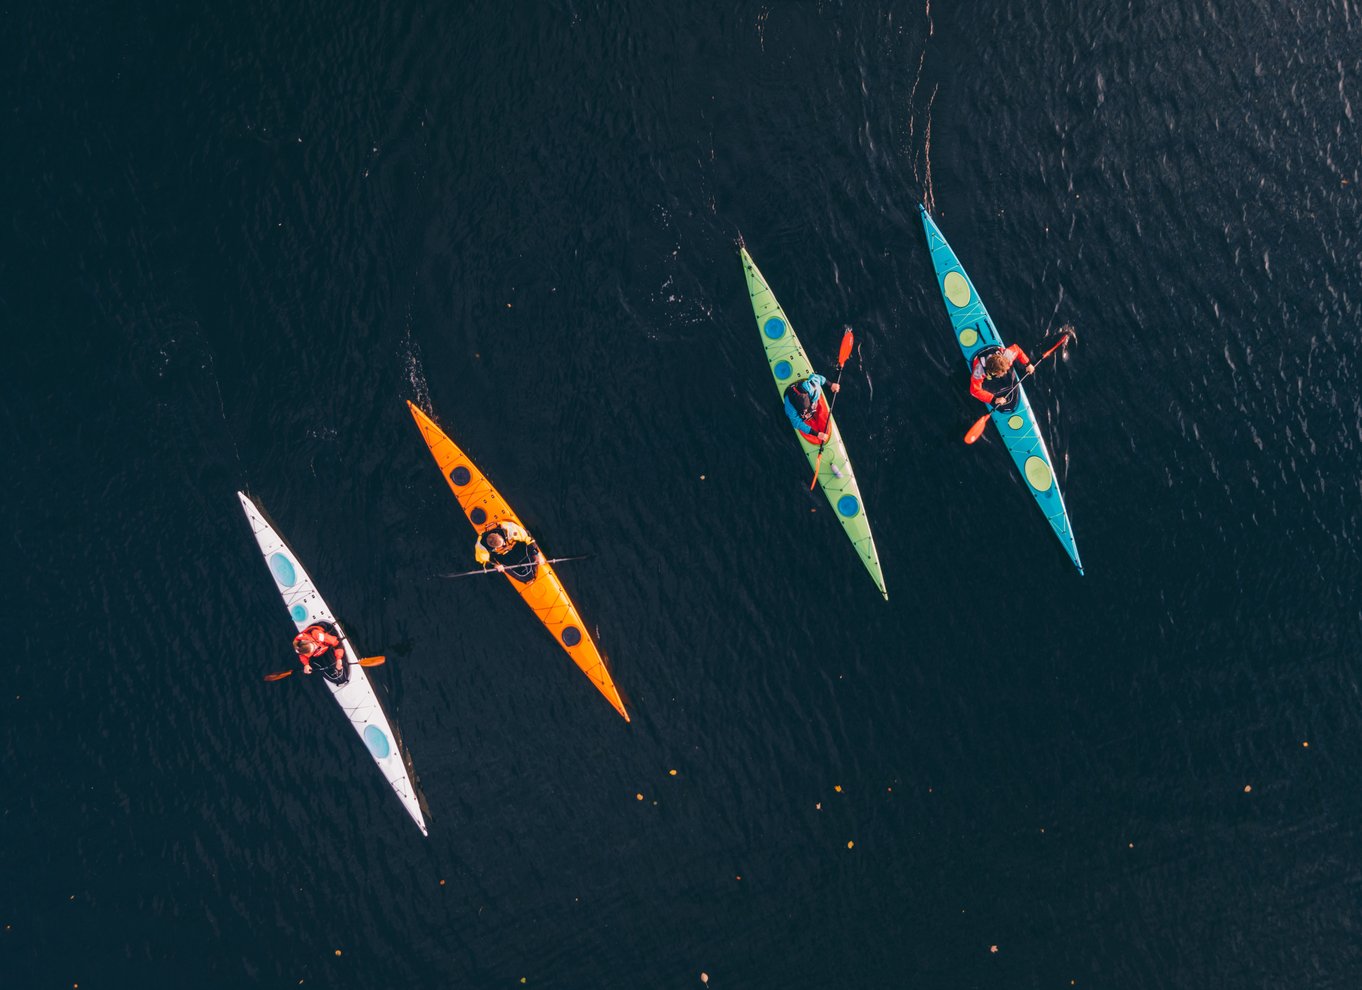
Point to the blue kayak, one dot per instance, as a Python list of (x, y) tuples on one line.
[(974, 332)]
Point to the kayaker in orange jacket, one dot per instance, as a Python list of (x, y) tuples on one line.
[(993, 365), (313, 642)]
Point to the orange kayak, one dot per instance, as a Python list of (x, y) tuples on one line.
[(484, 507)]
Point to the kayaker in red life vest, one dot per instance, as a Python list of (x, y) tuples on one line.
[(801, 406), (314, 641), (995, 364), (501, 538)]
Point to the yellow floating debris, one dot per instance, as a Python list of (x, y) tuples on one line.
[(837, 788), (672, 772), (850, 843), (1248, 788), (704, 977), (338, 952), (639, 796), (993, 949)]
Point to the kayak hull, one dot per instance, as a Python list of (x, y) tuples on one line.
[(974, 332), (788, 364), (545, 595), (356, 695)]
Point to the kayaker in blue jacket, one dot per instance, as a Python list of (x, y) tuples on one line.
[(801, 407)]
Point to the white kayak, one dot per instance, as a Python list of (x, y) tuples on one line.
[(355, 695)]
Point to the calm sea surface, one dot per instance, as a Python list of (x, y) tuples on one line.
[(238, 236)]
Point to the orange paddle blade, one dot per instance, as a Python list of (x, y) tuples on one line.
[(845, 351), (279, 676), (816, 465), (977, 430), (373, 661), (1064, 338)]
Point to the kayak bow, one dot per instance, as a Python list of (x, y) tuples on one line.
[(545, 593), (356, 695), (789, 364), (974, 331)]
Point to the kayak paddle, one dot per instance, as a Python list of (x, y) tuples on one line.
[(843, 354), (977, 430), (493, 570), (364, 662)]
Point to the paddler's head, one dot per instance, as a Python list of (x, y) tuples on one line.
[(304, 645), (998, 364), (494, 541)]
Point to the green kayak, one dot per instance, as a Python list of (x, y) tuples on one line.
[(789, 364)]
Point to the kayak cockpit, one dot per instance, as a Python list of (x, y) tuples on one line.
[(1008, 385), (326, 663)]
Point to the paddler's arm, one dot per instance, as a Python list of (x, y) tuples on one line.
[(797, 421), (976, 389), (514, 533), (480, 554)]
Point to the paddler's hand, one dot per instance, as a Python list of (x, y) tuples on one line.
[(1030, 368), (834, 388), (501, 568), (1000, 400), (307, 668), (822, 438)]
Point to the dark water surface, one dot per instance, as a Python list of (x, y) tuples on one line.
[(237, 237)]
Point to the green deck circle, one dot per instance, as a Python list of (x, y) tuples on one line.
[(956, 287), (1038, 474)]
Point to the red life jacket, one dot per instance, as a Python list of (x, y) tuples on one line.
[(320, 636)]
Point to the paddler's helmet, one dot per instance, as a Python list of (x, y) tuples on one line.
[(494, 540), (304, 645), (998, 364)]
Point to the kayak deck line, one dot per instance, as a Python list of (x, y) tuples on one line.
[(356, 696), (545, 594), (789, 364), (974, 332)]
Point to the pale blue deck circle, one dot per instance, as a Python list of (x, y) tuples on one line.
[(376, 741), (298, 612), (783, 370), (282, 569), (774, 328), (848, 506)]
